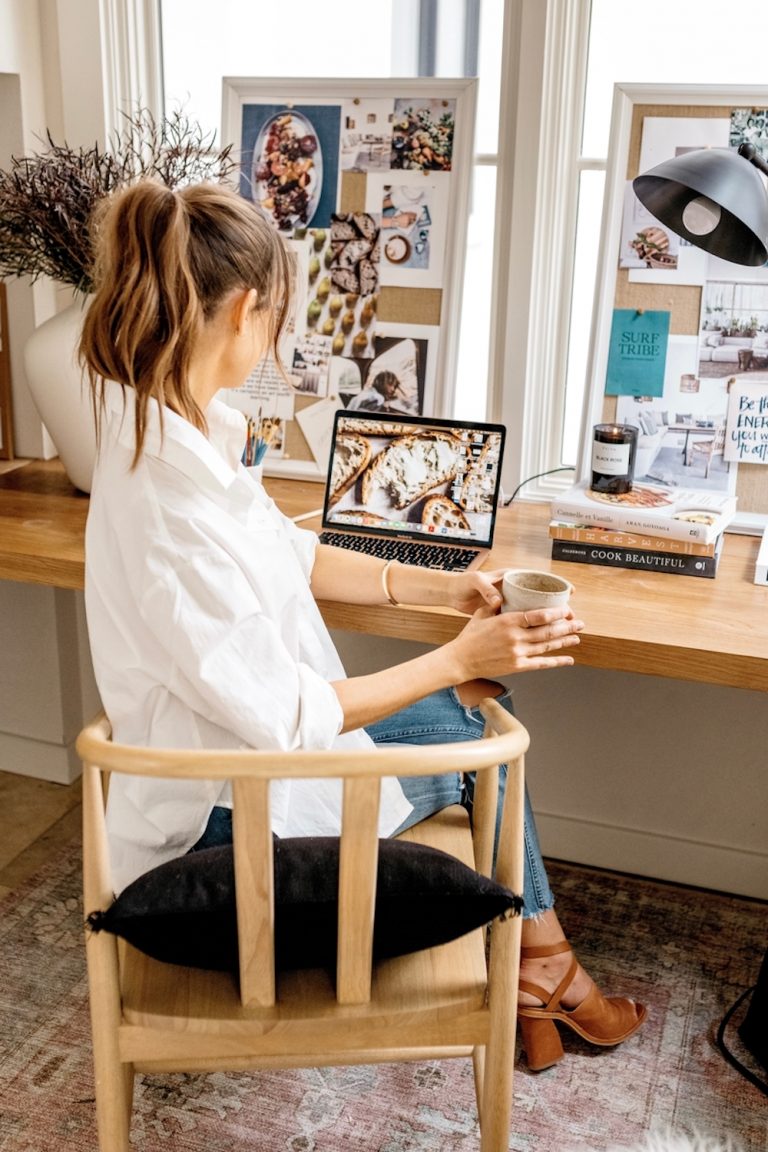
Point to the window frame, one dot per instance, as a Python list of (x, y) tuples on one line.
[(544, 62)]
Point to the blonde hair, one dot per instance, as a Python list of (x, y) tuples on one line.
[(165, 262)]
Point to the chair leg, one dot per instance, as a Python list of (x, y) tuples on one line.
[(478, 1066), (114, 1100), (113, 1077), (499, 1062)]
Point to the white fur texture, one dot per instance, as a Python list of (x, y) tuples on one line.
[(678, 1142)]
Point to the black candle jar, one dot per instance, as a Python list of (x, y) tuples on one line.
[(614, 447)]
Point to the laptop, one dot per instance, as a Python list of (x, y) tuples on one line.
[(416, 489)]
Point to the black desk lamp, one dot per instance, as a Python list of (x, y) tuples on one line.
[(714, 198)]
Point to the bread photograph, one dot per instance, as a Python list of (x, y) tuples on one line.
[(414, 478), (411, 466), (375, 427), (353, 452), (441, 512)]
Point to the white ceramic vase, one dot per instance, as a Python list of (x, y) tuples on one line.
[(61, 393)]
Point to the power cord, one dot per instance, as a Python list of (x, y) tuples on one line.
[(566, 468), (726, 1052)]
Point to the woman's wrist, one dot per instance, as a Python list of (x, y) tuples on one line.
[(385, 583)]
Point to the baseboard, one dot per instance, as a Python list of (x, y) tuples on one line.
[(57, 763), (654, 855)]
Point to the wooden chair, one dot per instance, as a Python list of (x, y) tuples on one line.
[(705, 450), (458, 999)]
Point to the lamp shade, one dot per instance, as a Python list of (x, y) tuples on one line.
[(714, 198)]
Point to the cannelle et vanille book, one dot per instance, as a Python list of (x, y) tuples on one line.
[(674, 563), (611, 538), (678, 514)]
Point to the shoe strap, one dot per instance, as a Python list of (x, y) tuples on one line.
[(536, 952), (551, 1000)]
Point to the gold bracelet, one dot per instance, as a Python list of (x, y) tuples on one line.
[(385, 583)]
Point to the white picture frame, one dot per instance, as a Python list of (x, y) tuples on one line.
[(626, 97), (245, 99)]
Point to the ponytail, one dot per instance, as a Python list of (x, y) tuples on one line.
[(165, 261)]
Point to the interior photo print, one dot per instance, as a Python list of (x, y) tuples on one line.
[(681, 433)]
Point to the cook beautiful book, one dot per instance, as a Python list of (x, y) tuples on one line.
[(672, 563), (680, 514)]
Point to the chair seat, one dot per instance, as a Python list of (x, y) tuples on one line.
[(192, 1017)]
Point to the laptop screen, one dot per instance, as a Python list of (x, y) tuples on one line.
[(414, 476)]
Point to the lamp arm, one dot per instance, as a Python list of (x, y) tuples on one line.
[(749, 152)]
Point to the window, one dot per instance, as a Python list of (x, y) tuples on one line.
[(686, 44)]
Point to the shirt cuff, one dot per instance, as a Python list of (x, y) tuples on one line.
[(321, 717)]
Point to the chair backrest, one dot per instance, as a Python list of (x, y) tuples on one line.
[(250, 772), (710, 446)]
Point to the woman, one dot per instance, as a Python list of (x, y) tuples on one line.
[(200, 595)]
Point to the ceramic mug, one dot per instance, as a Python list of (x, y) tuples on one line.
[(524, 589)]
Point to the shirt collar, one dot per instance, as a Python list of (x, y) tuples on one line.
[(212, 459)]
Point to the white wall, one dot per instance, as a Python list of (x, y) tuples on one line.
[(636, 773), (46, 688), (50, 79)]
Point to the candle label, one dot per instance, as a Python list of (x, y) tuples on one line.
[(611, 459)]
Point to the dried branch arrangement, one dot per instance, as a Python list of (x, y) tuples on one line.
[(46, 199)]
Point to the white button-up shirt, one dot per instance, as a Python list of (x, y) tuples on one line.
[(204, 631)]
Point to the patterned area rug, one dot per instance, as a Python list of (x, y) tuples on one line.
[(687, 954)]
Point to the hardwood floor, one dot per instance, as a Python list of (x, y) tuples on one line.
[(35, 818)]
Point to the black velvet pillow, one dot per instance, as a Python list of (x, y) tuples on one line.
[(184, 911)]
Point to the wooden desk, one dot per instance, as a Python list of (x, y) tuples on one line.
[(712, 631)]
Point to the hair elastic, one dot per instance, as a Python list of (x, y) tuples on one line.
[(385, 583)]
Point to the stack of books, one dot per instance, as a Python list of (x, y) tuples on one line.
[(655, 529)]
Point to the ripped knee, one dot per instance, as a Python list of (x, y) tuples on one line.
[(471, 692)]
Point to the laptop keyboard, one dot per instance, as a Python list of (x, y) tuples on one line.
[(406, 551)]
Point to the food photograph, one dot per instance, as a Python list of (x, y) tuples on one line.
[(343, 261), (422, 134), (420, 479), (289, 162)]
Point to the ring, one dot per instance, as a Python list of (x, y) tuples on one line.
[(525, 617)]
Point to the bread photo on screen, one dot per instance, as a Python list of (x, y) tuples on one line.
[(441, 512), (351, 457), (374, 427), (410, 467)]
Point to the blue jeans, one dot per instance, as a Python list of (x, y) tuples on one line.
[(437, 719), (442, 719)]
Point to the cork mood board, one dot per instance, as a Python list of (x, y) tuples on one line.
[(368, 183), (717, 311)]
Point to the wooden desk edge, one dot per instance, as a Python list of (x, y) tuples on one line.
[(43, 570), (647, 658)]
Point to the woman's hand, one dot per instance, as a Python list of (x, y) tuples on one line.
[(468, 591), (496, 644)]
